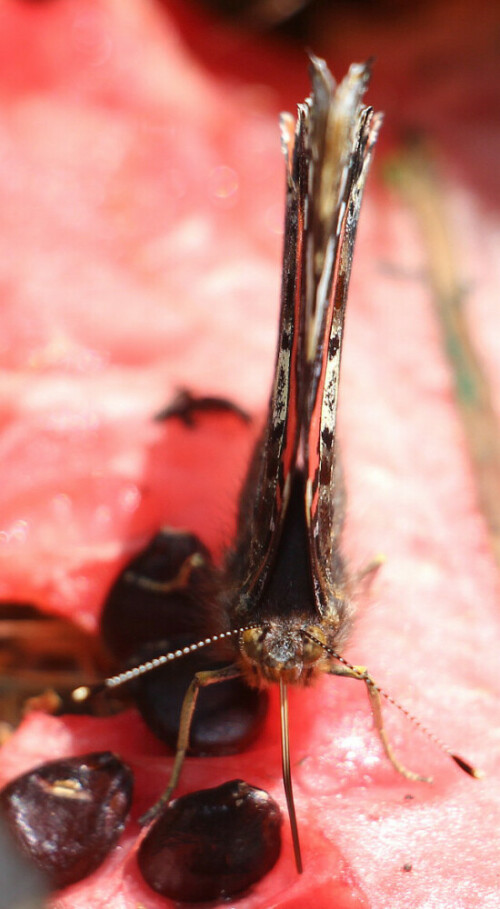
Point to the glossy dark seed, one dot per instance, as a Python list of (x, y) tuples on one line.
[(134, 615), (228, 715), (67, 815), (213, 843), (140, 623)]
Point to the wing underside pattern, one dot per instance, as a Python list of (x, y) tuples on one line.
[(327, 152)]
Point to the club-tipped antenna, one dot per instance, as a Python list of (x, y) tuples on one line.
[(84, 692), (287, 776), (364, 676)]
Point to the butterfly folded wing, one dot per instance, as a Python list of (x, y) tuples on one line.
[(266, 492), (327, 152), (341, 149)]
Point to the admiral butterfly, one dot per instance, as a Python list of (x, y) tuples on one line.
[(284, 588)]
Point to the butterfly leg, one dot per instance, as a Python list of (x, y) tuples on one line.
[(368, 573), (359, 672), (200, 680)]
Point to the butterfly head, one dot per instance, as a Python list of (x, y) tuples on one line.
[(279, 651)]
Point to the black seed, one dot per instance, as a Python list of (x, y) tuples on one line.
[(228, 716), (133, 615), (140, 624), (67, 815), (213, 843)]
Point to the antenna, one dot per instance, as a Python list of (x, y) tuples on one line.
[(86, 691)]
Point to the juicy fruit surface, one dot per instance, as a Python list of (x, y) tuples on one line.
[(140, 223)]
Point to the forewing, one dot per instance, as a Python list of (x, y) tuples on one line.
[(327, 152), (267, 487), (341, 149)]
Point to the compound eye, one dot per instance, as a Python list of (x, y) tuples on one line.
[(251, 643), (313, 651)]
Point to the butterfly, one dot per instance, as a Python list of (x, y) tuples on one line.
[(283, 589)]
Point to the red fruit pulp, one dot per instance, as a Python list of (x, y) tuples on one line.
[(140, 219)]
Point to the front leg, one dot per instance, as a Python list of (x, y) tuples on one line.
[(359, 672), (366, 575), (200, 680)]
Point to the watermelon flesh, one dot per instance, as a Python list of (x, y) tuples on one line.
[(142, 195)]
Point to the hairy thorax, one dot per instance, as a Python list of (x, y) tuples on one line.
[(285, 643)]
